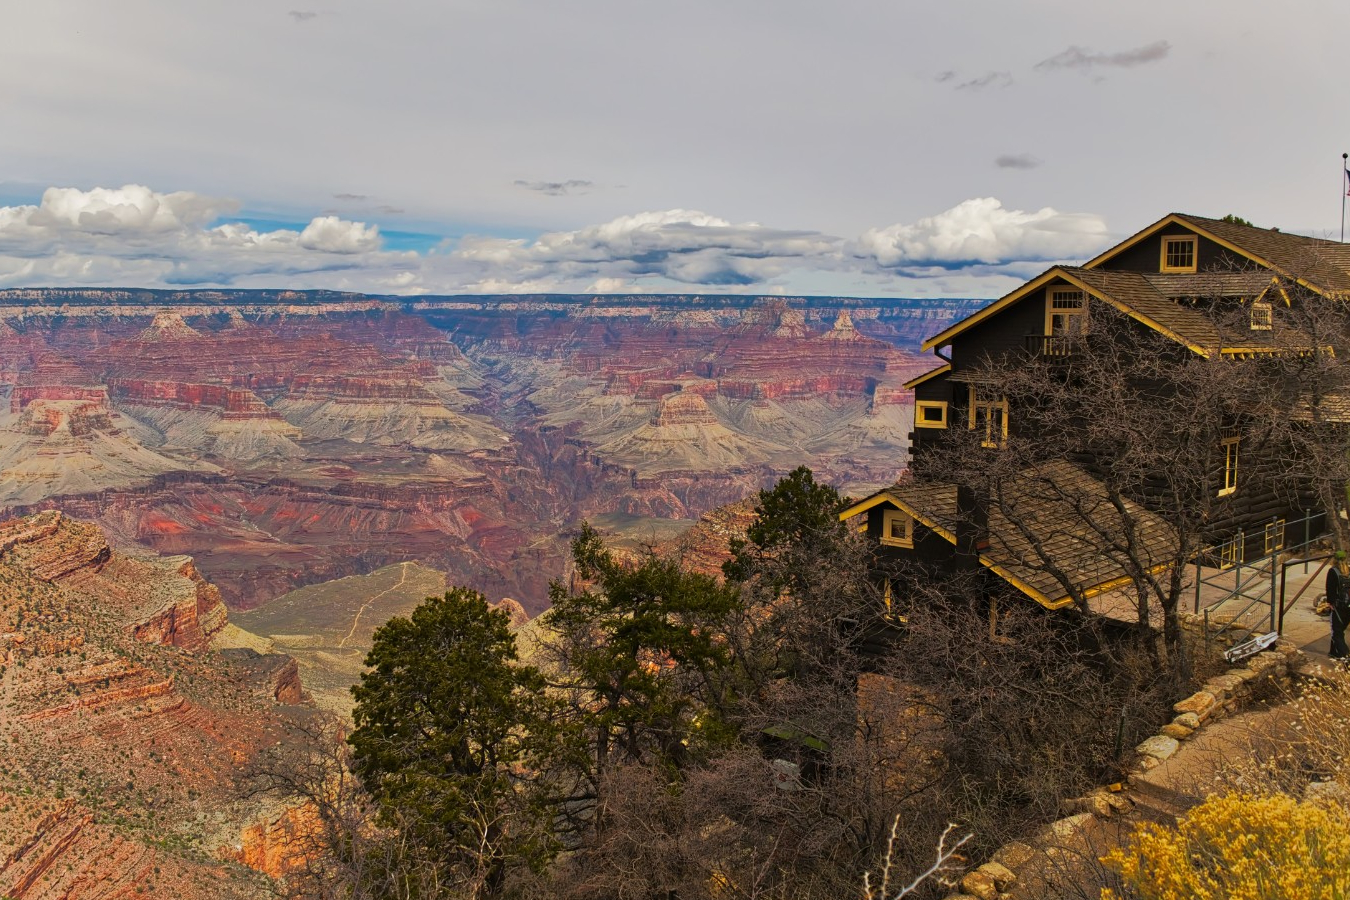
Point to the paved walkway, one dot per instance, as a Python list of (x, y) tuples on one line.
[(1303, 584)]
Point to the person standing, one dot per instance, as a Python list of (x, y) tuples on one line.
[(1338, 596)]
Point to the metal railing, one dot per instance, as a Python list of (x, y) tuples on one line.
[(1254, 583)]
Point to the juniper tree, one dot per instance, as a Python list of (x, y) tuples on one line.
[(447, 725)]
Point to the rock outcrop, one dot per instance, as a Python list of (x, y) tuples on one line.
[(124, 737)]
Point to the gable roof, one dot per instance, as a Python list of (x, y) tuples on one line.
[(1323, 266), (1153, 300), (1050, 506), (1320, 265)]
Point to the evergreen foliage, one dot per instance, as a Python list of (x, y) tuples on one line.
[(445, 715), (639, 651)]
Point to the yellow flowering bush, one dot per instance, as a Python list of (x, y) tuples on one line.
[(1240, 847)]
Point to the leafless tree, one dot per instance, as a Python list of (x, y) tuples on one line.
[(1146, 420), (334, 849)]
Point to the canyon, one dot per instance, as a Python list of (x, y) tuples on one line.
[(289, 438), (108, 657)]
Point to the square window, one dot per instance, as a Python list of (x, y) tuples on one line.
[(930, 414), (1178, 254), (897, 529), (1065, 313)]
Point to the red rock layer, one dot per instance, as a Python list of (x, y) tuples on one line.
[(107, 694)]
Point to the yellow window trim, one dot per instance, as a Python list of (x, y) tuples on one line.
[(1274, 535), (890, 517), (1179, 239), (1262, 316), (921, 405), (1001, 404), (1230, 466), (1178, 219), (1040, 282), (1051, 312)]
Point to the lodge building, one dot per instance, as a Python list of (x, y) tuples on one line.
[(1168, 279)]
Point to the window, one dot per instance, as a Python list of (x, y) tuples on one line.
[(1230, 466), (1275, 536), (989, 417), (930, 414), (897, 529), (1230, 553), (1262, 316), (1065, 312), (1178, 254)]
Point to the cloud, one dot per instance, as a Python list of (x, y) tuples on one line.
[(981, 232), (333, 235), (131, 209), (1083, 59), (134, 236), (302, 15), (353, 197), (1017, 161), (943, 77), (987, 80), (557, 188), (386, 210)]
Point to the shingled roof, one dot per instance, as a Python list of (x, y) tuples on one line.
[(1324, 265), (1057, 507)]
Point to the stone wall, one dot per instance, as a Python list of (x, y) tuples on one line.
[(1251, 679)]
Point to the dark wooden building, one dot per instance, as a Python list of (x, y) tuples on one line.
[(1208, 287)]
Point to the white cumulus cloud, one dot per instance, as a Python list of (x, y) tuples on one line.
[(333, 235), (134, 236), (982, 231)]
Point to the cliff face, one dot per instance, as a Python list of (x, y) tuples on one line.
[(123, 735), (285, 438)]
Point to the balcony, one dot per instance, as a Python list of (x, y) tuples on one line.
[(1052, 344)]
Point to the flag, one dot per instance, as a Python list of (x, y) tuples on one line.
[(1347, 182)]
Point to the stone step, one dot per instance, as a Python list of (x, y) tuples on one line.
[(1158, 803)]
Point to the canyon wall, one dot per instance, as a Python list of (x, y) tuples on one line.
[(125, 737), (283, 438)]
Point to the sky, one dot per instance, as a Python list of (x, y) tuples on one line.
[(852, 147)]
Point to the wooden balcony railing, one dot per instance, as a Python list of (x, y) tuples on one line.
[(1052, 344)]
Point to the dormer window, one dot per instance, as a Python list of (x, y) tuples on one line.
[(897, 529), (1178, 254), (1262, 316)]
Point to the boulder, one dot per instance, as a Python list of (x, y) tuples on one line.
[(980, 885), (1002, 875), (1177, 732), (1201, 703), (1014, 855), (1327, 792), (1160, 747)]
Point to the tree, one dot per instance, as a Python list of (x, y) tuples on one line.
[(1236, 220), (446, 721), (1234, 845), (1147, 419), (638, 651), (805, 584)]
